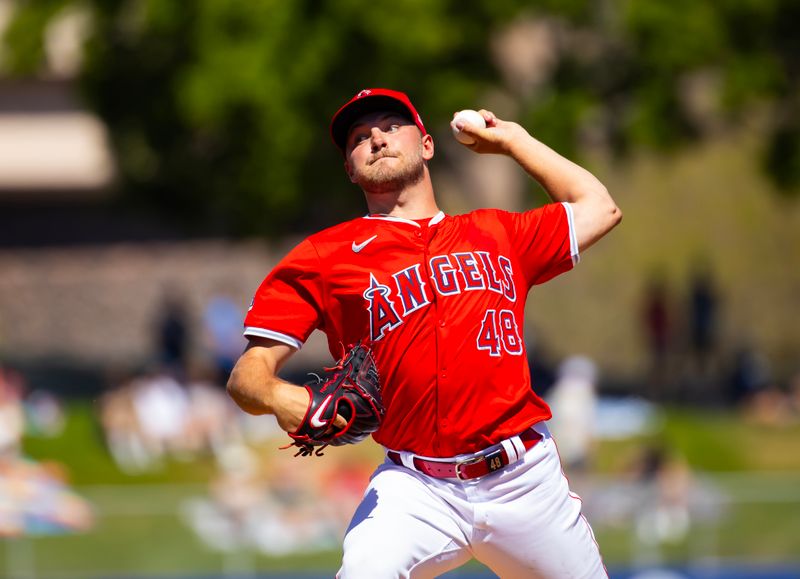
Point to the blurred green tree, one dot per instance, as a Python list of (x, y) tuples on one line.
[(218, 110)]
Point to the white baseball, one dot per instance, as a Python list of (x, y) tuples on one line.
[(470, 117)]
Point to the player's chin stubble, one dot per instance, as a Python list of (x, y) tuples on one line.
[(387, 176)]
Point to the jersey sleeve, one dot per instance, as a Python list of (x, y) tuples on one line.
[(545, 241), (287, 306)]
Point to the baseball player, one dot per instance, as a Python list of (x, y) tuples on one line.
[(471, 470)]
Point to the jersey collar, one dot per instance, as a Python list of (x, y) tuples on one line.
[(434, 220)]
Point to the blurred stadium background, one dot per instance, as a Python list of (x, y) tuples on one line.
[(157, 158)]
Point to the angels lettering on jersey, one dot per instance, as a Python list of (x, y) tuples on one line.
[(412, 289)]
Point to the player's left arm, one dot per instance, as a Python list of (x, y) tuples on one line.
[(594, 211)]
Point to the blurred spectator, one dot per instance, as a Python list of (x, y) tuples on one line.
[(12, 414), (762, 400), (34, 497), (35, 500), (144, 420), (147, 419), (770, 407), (539, 364), (224, 519), (573, 400), (749, 373), (277, 510), (44, 414), (223, 327), (172, 333), (214, 421), (122, 431), (161, 405), (663, 513), (657, 328), (703, 317), (794, 393)]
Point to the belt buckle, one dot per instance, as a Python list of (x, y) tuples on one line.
[(466, 462)]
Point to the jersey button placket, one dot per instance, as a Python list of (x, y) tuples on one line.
[(441, 378), (441, 337)]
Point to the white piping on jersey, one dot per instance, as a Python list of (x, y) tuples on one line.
[(434, 220), (277, 336), (574, 251)]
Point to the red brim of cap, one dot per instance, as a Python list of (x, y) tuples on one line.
[(370, 101)]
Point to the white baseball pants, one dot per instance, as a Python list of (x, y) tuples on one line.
[(521, 521)]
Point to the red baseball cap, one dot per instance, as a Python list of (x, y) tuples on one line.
[(370, 100)]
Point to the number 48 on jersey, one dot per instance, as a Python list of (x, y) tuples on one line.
[(499, 332)]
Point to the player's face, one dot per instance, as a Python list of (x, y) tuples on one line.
[(385, 152)]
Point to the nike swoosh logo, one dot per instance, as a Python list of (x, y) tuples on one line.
[(359, 246), (316, 418)]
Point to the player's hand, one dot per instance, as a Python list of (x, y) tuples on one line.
[(291, 404), (496, 138)]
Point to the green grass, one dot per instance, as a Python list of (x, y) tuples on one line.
[(82, 450), (150, 545), (139, 530), (712, 441)]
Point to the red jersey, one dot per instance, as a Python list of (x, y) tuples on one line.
[(442, 303)]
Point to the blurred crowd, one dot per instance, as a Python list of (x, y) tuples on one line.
[(279, 504), (156, 416), (654, 491), (259, 498), (696, 355), (176, 407), (35, 497), (177, 410)]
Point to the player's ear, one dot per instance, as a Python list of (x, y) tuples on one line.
[(349, 170), (427, 147)]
